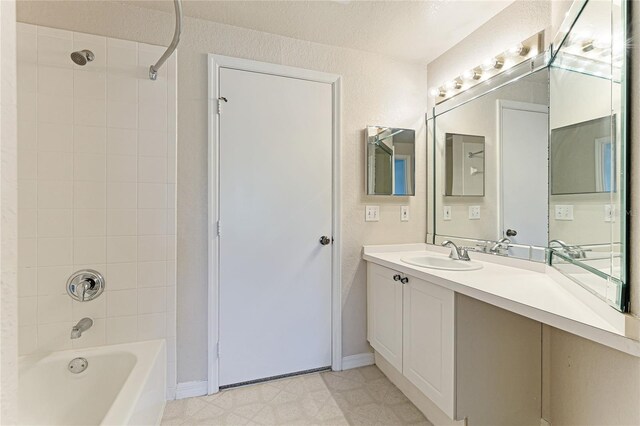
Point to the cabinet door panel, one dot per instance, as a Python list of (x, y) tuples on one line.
[(384, 312), (428, 349)]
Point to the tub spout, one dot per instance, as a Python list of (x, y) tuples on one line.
[(83, 325)]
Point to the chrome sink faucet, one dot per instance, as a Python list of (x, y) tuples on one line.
[(83, 325), (456, 253), (502, 244)]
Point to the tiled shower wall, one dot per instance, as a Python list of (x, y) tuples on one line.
[(96, 170)]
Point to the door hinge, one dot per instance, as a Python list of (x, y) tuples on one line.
[(221, 99), (218, 228)]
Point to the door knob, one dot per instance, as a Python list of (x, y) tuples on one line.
[(511, 233), (324, 240)]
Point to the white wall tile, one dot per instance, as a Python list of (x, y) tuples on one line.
[(89, 250), (152, 115), (55, 137), (93, 309), (27, 281), (55, 51), (89, 112), (122, 88), (152, 300), (27, 107), (122, 329), (122, 222), (89, 84), (152, 196), (27, 310), (90, 167), (55, 166), (27, 252), (152, 169), (27, 136), (55, 194), (27, 194), (55, 223), (122, 303), (89, 222), (151, 326), (27, 165), (122, 141), (122, 249), (152, 222), (122, 168), (54, 337), (53, 309), (149, 90), (55, 81), (152, 143), (122, 115), (152, 274), (122, 276), (89, 195), (55, 109), (171, 272), (121, 195), (89, 139), (52, 280), (152, 248), (27, 223), (122, 56), (27, 339), (55, 251)]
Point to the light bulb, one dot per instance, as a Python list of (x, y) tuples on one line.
[(492, 63), (453, 85), (437, 92), (519, 50), (472, 75)]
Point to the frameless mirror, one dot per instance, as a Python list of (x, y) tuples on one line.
[(464, 165), (390, 161)]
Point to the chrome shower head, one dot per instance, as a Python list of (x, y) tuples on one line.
[(82, 57)]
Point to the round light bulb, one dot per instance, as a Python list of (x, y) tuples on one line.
[(435, 92), (489, 63), (471, 75)]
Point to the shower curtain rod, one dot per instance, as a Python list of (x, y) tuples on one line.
[(153, 69)]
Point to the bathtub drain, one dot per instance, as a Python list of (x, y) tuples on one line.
[(78, 365)]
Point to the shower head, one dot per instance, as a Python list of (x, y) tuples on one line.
[(82, 57)]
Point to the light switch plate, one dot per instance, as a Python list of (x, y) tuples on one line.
[(446, 213), (372, 214), (564, 212), (404, 213), (474, 212), (609, 212)]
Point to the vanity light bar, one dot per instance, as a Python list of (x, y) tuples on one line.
[(489, 68)]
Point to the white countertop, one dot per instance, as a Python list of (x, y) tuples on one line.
[(529, 289)]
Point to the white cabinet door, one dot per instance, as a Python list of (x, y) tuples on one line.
[(384, 313), (428, 349)]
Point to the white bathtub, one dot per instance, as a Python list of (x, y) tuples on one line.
[(123, 385)]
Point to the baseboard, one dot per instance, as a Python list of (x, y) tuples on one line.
[(191, 389), (358, 360)]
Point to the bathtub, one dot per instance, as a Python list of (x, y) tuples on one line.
[(122, 385)]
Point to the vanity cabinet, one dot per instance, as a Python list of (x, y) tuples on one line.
[(411, 324)]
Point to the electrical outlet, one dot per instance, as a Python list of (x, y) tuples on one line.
[(609, 213), (446, 213), (372, 213), (564, 212), (404, 213), (474, 212)]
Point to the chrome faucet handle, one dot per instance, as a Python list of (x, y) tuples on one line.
[(463, 253)]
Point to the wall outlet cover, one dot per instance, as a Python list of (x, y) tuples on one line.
[(372, 214), (609, 213), (564, 212), (446, 213), (474, 212), (404, 213)]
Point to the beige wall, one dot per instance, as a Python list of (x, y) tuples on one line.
[(584, 383), (376, 91), (8, 217)]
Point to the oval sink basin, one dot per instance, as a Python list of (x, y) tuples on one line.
[(444, 263)]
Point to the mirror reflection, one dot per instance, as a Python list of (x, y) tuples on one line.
[(464, 165), (390, 161)]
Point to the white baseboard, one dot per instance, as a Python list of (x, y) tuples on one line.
[(358, 360), (191, 389)]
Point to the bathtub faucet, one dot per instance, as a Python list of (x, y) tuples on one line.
[(83, 325)]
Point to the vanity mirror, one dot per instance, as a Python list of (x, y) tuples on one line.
[(390, 161), (552, 132)]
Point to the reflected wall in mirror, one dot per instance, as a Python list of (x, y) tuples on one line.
[(509, 126), (464, 165), (588, 140), (390, 161)]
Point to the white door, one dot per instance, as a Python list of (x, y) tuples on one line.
[(429, 341), (384, 312), (275, 203), (525, 159)]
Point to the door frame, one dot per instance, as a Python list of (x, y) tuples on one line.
[(215, 63), (503, 104)]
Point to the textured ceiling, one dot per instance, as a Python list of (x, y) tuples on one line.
[(417, 31)]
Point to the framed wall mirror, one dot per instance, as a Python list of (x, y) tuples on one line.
[(390, 161), (553, 132)]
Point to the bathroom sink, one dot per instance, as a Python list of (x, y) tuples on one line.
[(440, 262)]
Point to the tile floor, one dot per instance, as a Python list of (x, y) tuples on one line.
[(362, 396)]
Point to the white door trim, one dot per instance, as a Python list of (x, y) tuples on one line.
[(216, 62)]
